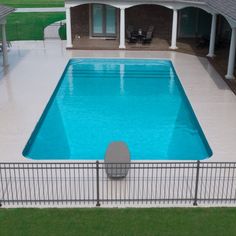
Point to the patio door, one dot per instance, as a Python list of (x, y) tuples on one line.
[(103, 20)]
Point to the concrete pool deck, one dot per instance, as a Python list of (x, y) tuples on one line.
[(36, 67)]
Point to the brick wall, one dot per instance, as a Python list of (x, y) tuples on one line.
[(80, 20), (144, 15), (139, 16)]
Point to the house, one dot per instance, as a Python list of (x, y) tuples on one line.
[(4, 12), (172, 19)]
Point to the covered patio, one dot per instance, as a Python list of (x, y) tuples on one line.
[(167, 19)]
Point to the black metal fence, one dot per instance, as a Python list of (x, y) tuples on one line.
[(153, 183)]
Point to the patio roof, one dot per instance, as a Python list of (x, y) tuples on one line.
[(227, 8), (5, 10)]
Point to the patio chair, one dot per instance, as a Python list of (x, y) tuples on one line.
[(130, 37), (148, 37), (151, 28), (117, 160)]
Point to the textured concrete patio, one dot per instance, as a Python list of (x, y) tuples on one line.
[(36, 67)]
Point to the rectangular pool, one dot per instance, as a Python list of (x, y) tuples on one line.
[(98, 101)]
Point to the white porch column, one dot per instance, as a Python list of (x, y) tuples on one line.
[(122, 28), (4, 45), (68, 28), (231, 63), (213, 36), (174, 29)]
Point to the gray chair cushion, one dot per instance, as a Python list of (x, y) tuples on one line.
[(117, 160)]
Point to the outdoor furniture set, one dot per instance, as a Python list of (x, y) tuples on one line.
[(139, 36)]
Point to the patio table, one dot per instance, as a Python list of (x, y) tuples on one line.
[(139, 34)]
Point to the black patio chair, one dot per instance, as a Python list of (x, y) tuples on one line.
[(151, 28), (148, 37), (131, 38)]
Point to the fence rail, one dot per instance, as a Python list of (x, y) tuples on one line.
[(150, 183)]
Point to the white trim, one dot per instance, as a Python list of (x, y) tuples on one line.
[(122, 28), (3, 21), (174, 30), (68, 28), (231, 63), (230, 21), (90, 21), (4, 45), (128, 4), (213, 36)]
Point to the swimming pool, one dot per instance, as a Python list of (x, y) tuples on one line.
[(138, 101)]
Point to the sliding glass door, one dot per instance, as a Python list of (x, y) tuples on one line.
[(103, 20)]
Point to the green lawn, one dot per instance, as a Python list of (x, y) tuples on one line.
[(30, 26), (145, 222), (33, 3)]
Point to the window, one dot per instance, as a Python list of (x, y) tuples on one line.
[(103, 20)]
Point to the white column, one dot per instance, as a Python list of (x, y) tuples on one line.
[(4, 45), (231, 63), (122, 28), (213, 36), (174, 29), (68, 28)]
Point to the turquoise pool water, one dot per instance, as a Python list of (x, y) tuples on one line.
[(98, 101)]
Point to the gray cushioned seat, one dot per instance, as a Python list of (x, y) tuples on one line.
[(117, 160)]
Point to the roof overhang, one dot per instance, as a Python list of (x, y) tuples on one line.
[(5, 11), (177, 4), (174, 4)]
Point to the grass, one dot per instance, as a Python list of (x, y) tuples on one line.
[(160, 221), (30, 26), (33, 3)]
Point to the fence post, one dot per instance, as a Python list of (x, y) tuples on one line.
[(196, 185), (97, 180)]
